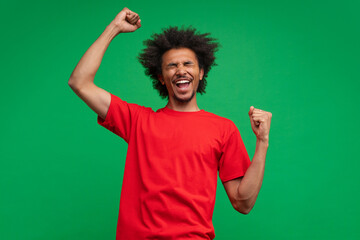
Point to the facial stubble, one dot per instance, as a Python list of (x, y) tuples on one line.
[(184, 100)]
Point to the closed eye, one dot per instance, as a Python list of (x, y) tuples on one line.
[(171, 65)]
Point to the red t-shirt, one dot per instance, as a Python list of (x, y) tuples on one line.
[(170, 177)]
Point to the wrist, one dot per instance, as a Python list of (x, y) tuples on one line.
[(112, 30), (263, 142), (260, 151)]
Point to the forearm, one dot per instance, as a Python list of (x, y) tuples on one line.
[(84, 72), (250, 185)]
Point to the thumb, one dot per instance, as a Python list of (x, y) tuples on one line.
[(250, 115), (251, 110), (138, 23)]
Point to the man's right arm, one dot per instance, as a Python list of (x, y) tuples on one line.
[(82, 78)]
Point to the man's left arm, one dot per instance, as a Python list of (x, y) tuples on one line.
[(243, 191)]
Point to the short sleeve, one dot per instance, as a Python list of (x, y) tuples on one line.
[(120, 117), (234, 160)]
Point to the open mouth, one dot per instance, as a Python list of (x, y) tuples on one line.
[(182, 83)]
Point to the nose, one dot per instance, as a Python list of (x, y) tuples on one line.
[(181, 70)]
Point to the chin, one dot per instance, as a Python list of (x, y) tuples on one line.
[(184, 99)]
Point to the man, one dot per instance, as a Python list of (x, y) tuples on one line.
[(174, 154)]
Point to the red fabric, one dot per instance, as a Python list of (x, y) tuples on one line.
[(170, 176)]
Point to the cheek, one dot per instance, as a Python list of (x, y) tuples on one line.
[(168, 74)]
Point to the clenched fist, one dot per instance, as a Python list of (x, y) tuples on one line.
[(260, 123), (127, 21)]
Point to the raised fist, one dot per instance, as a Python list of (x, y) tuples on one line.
[(260, 123), (127, 21)]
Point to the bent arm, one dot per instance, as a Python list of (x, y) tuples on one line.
[(82, 78), (243, 191)]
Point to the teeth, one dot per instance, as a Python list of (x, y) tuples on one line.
[(182, 81)]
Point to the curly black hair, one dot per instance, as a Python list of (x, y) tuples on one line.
[(173, 37)]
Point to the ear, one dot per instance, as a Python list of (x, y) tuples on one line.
[(201, 74), (161, 79)]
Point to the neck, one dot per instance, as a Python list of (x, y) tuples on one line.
[(190, 106)]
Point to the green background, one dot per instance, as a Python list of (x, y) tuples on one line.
[(61, 173)]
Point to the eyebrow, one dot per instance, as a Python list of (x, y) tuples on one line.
[(175, 64)]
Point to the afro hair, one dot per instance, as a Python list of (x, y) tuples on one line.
[(173, 37)]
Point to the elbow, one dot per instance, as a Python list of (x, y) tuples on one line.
[(77, 83), (71, 83), (243, 207), (74, 84), (244, 211)]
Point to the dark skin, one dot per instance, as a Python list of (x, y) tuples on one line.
[(178, 65), (181, 75)]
